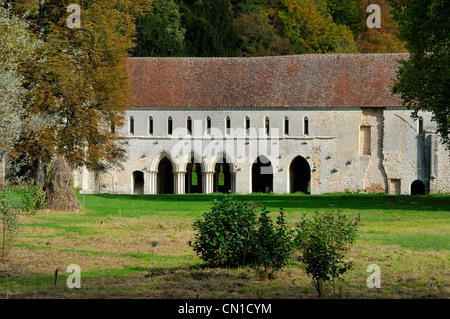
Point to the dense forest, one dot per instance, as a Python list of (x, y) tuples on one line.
[(218, 28)]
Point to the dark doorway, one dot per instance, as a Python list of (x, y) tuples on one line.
[(165, 177), (193, 179), (300, 175), (222, 177), (138, 182), (417, 188), (262, 175)]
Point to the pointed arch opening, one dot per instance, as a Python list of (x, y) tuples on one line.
[(165, 177), (306, 126), (189, 125), (262, 175), (222, 176), (417, 188), (169, 126), (300, 176), (194, 177), (286, 126), (208, 126), (131, 125), (138, 182), (150, 125)]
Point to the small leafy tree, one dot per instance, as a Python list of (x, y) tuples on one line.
[(273, 243), (9, 221), (224, 235), (322, 242), (233, 235)]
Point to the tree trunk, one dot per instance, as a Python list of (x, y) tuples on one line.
[(41, 16)]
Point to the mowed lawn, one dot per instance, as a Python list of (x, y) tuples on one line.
[(111, 241)]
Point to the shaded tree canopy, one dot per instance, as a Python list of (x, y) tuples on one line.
[(264, 27), (81, 80), (424, 79)]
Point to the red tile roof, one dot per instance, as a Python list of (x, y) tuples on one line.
[(312, 80)]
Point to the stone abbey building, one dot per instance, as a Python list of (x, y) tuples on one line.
[(305, 123)]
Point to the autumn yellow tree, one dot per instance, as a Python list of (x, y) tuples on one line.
[(382, 40), (81, 82)]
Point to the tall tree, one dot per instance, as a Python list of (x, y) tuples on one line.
[(383, 40), (82, 83), (159, 32), (209, 28), (20, 49), (424, 79), (310, 27)]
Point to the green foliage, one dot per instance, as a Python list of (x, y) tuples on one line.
[(273, 243), (232, 235), (218, 28), (9, 220), (423, 81), (209, 28), (322, 242), (159, 32), (224, 235), (32, 196)]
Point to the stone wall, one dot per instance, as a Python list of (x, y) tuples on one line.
[(338, 153)]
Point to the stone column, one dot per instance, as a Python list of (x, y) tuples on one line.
[(208, 182), (152, 186), (233, 181), (179, 182)]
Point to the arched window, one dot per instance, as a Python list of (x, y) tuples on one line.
[(169, 126), (247, 125), (131, 125), (208, 125), (189, 125), (150, 125), (420, 126), (286, 125), (267, 126), (228, 125), (306, 126)]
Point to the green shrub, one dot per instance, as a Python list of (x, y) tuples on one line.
[(232, 235), (32, 197), (322, 242), (9, 220), (224, 235), (273, 243)]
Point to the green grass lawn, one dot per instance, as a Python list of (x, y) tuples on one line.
[(407, 236)]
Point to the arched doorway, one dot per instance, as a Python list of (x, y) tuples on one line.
[(222, 176), (165, 178), (300, 175), (417, 188), (138, 182), (193, 179), (262, 175)]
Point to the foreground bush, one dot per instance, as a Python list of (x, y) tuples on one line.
[(224, 235), (322, 242), (233, 235), (32, 197), (9, 207), (273, 243)]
